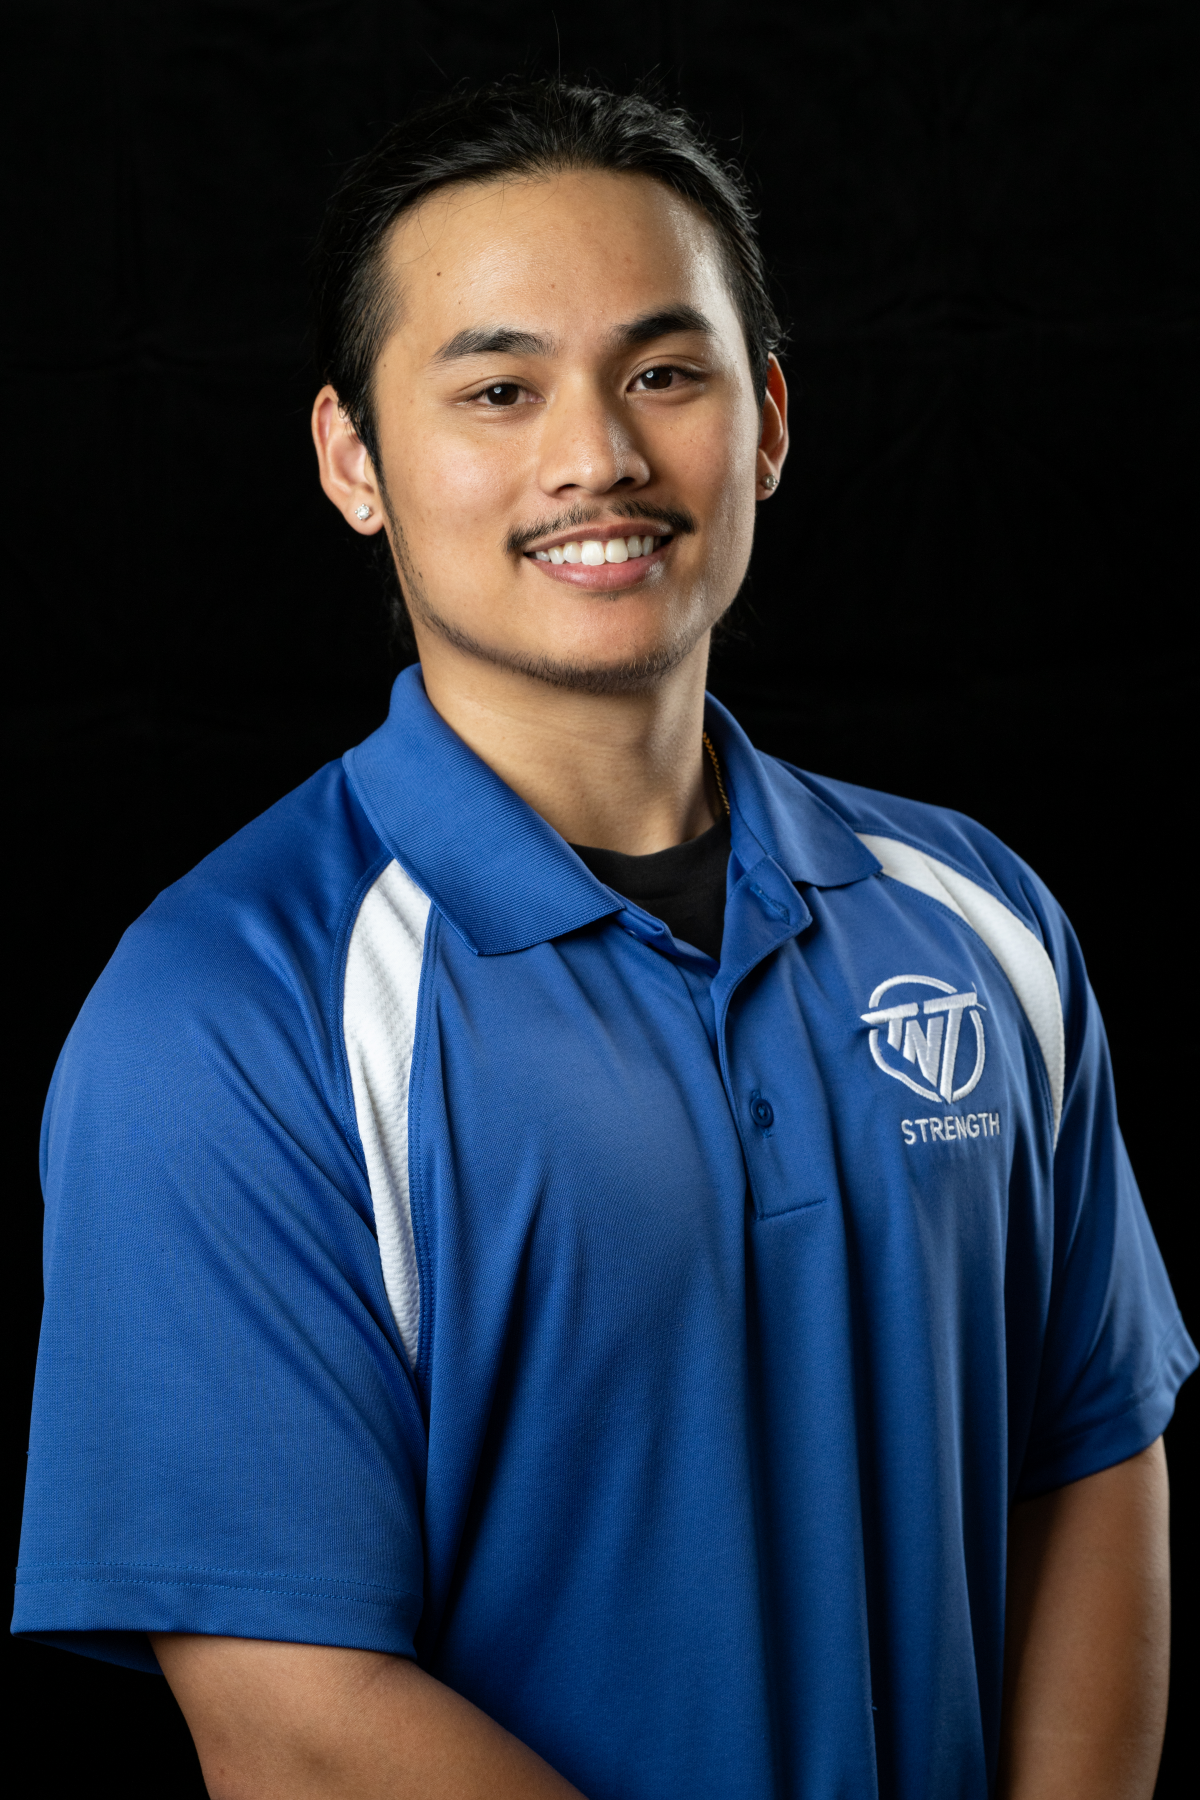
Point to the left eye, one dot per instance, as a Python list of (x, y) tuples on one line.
[(657, 379), (501, 393)]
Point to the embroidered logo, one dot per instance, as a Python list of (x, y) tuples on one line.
[(926, 1035)]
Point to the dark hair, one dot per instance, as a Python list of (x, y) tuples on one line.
[(514, 127)]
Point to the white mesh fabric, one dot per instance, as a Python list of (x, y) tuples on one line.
[(383, 975)]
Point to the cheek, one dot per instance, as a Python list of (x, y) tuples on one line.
[(721, 470), (455, 485), (717, 445)]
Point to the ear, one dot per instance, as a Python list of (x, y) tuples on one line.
[(773, 439), (345, 467)]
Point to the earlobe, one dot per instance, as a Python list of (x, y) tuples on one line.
[(344, 466)]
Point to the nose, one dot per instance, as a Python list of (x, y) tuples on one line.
[(587, 446)]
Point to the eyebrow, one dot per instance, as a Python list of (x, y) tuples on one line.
[(659, 324), (507, 340), (493, 340)]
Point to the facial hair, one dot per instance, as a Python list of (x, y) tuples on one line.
[(629, 676)]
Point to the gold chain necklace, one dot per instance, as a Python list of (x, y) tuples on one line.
[(707, 741)]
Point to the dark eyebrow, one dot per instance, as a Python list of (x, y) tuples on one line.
[(506, 340), (492, 340), (660, 324)]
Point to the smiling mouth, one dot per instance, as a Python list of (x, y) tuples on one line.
[(594, 552)]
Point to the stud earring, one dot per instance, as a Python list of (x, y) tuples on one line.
[(363, 511), (770, 482)]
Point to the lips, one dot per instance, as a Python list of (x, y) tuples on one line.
[(602, 564), (606, 558)]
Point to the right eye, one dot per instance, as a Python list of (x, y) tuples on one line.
[(501, 393)]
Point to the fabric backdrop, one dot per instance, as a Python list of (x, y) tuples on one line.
[(970, 588)]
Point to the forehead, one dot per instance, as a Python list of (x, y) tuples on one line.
[(569, 255)]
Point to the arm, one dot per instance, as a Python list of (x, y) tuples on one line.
[(1088, 1637), (305, 1722)]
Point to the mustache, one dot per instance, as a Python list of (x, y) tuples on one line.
[(676, 518)]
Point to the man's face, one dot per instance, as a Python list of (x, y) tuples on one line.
[(568, 371)]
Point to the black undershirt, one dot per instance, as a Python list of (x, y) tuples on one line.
[(683, 886)]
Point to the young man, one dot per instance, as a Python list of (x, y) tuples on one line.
[(578, 1255)]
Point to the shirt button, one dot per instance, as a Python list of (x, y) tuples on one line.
[(762, 1112)]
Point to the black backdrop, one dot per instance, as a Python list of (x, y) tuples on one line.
[(970, 587)]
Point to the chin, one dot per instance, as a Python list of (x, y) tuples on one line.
[(622, 667), (620, 672)]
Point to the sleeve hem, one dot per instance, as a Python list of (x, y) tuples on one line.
[(108, 1615), (1104, 1442)]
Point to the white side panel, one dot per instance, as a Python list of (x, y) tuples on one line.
[(383, 974), (1011, 942)]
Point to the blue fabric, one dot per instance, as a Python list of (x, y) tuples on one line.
[(700, 1480)]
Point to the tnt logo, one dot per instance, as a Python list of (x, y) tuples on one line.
[(926, 1035)]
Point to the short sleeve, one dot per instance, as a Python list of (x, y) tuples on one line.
[(1114, 1351), (226, 1436)]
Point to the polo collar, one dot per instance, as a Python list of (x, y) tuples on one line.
[(773, 813), (504, 879)]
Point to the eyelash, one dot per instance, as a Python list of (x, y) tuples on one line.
[(654, 369), (666, 369)]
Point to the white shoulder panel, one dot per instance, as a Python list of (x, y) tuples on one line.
[(383, 974), (1011, 942)]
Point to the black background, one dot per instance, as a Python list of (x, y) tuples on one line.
[(970, 587)]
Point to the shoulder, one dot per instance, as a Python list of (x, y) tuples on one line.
[(890, 826), (296, 858), (271, 897), (236, 964), (955, 861)]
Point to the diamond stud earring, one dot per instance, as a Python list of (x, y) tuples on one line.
[(363, 511), (770, 482)]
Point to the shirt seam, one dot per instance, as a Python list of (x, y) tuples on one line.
[(1065, 1439), (417, 1200), (121, 1577), (988, 882), (337, 1005), (783, 1212), (90, 1562)]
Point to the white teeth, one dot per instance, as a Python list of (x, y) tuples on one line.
[(593, 552)]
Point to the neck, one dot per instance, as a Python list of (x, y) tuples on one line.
[(617, 771)]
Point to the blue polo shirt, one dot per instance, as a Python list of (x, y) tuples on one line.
[(443, 1259)]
